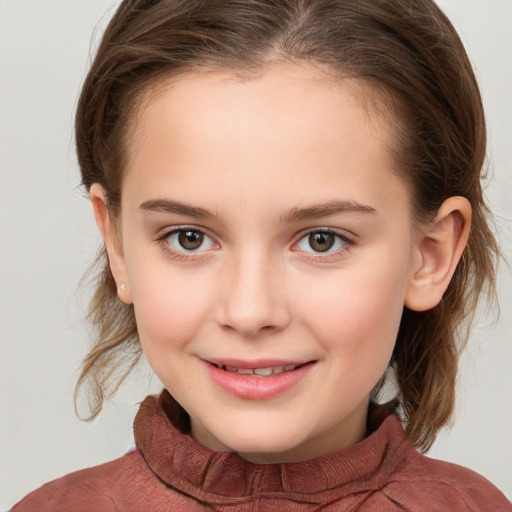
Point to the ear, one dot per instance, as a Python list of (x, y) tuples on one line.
[(438, 251), (112, 241)]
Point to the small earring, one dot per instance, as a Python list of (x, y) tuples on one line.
[(123, 286)]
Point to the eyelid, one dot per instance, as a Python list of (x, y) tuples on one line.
[(168, 231), (342, 233)]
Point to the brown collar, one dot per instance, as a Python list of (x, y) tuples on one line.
[(161, 434)]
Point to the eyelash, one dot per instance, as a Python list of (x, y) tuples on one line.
[(328, 255), (186, 255)]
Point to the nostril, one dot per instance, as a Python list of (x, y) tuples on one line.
[(248, 331)]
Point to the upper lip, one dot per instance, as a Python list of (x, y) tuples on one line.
[(256, 363)]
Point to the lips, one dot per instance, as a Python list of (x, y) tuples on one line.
[(257, 380)]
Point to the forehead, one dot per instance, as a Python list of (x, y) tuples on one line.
[(302, 89), (289, 122)]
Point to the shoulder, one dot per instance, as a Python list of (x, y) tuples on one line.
[(96, 488), (420, 482)]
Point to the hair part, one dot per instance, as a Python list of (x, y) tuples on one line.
[(406, 51)]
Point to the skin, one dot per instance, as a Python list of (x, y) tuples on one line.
[(253, 153)]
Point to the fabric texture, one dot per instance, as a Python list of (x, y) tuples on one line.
[(170, 471)]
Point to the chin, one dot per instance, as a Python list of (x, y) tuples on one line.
[(265, 448)]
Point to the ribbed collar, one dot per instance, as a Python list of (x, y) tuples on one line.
[(161, 427)]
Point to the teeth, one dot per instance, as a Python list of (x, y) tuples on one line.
[(260, 372), (264, 372)]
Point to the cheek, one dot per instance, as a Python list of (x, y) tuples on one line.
[(169, 306), (356, 313)]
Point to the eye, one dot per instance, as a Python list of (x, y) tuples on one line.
[(189, 240), (323, 241)]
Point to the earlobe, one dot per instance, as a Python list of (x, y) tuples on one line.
[(113, 245), (438, 251)]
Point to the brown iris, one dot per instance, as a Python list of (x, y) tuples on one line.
[(190, 240), (321, 242)]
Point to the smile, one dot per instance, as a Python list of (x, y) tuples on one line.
[(257, 381), (259, 372)]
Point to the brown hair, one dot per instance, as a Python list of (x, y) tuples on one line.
[(407, 50)]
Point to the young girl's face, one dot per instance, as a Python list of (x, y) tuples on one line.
[(268, 249)]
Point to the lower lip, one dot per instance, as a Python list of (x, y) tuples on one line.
[(257, 388)]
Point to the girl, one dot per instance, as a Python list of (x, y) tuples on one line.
[(289, 198)]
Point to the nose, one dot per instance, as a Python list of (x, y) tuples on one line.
[(254, 298)]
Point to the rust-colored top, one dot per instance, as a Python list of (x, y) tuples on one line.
[(170, 471)]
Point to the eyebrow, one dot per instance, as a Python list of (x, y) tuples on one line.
[(168, 206), (293, 215), (326, 209)]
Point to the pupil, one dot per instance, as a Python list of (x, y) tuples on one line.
[(190, 240), (321, 242)]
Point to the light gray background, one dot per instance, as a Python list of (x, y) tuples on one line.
[(48, 238)]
